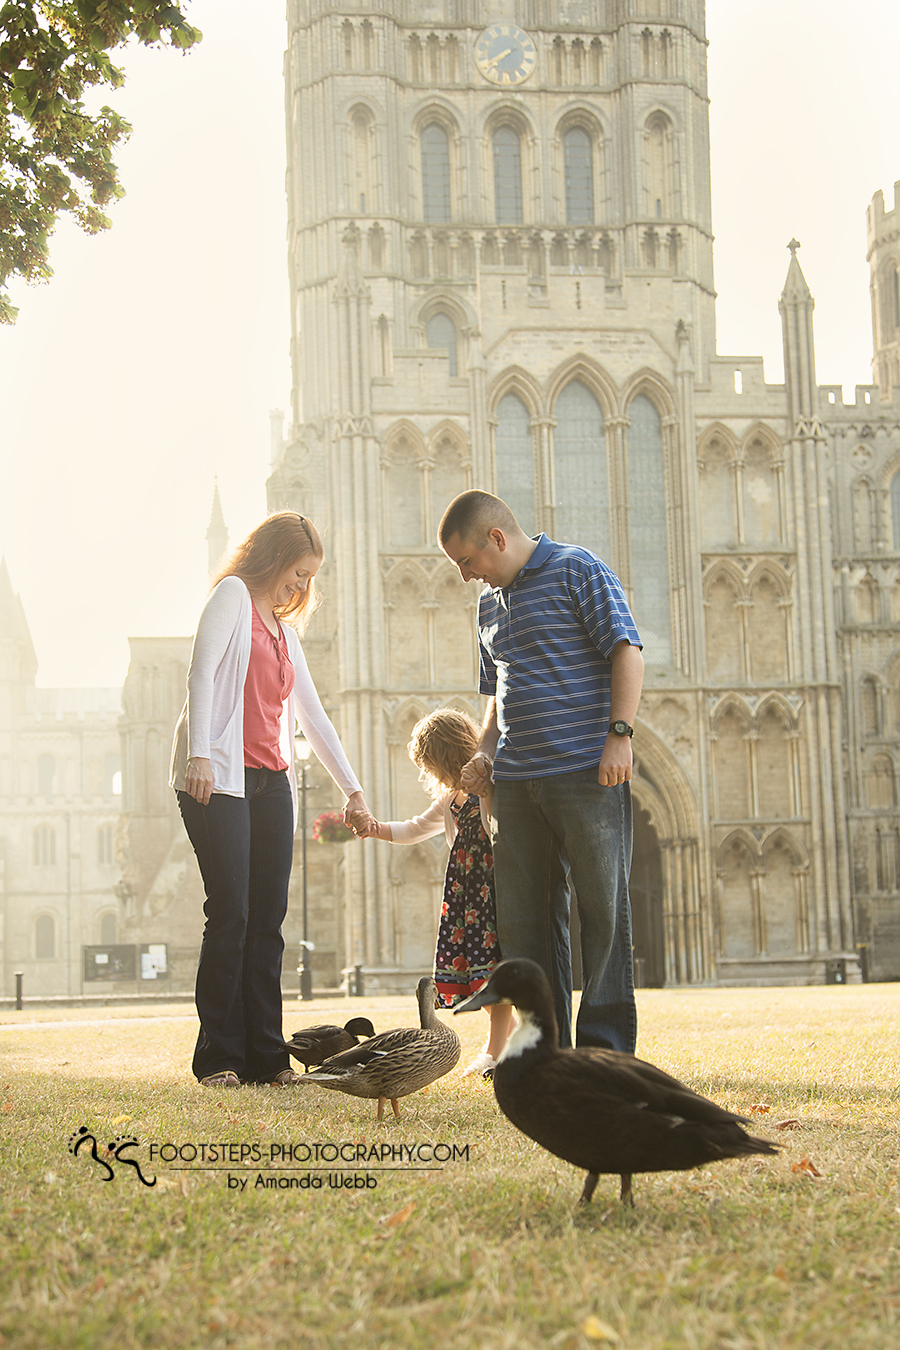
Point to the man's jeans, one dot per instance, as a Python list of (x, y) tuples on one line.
[(542, 827), (245, 848)]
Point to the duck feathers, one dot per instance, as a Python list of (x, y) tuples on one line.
[(313, 1045), (394, 1063), (600, 1110)]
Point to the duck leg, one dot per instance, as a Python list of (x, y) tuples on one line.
[(590, 1183), (380, 1113), (626, 1196), (396, 1105)]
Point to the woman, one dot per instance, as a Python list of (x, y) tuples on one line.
[(233, 770)]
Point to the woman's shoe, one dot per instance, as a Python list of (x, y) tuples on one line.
[(224, 1078), (287, 1078)]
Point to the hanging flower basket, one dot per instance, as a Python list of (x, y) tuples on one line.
[(329, 828)]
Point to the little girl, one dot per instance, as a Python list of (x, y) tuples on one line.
[(467, 948)]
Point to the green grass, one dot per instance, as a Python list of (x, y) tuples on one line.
[(486, 1253)]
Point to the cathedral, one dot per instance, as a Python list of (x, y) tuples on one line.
[(501, 267), (500, 255)]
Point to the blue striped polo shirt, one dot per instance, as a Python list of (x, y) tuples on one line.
[(545, 644)]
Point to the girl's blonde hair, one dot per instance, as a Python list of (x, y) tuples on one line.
[(440, 744), (281, 540)]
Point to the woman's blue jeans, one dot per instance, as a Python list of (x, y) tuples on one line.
[(546, 831), (245, 847)]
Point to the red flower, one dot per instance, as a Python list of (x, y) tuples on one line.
[(488, 862), (460, 963), (445, 909), (457, 935), (471, 916), (489, 939)]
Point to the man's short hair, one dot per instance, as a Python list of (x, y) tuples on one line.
[(472, 515)]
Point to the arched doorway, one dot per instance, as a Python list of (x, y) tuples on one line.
[(646, 890)]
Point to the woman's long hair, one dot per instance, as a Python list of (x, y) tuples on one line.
[(281, 540), (440, 744)]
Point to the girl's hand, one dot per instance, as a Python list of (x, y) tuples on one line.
[(358, 817), (378, 830), (199, 780)]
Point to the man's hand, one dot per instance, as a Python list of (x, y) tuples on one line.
[(475, 775), (616, 762), (199, 780)]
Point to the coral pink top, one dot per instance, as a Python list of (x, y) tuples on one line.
[(270, 679)]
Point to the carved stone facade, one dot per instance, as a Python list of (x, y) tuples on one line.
[(60, 786), (508, 283)]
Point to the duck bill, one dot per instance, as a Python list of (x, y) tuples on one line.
[(482, 998)]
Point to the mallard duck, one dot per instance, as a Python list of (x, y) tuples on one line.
[(394, 1063), (312, 1045), (601, 1110)]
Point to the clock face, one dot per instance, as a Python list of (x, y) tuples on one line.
[(505, 55)]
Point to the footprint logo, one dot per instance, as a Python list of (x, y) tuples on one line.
[(82, 1137), (117, 1150)]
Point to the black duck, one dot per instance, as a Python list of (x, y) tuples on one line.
[(394, 1063), (312, 1045), (603, 1111)]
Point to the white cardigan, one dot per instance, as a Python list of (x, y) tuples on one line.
[(211, 724), (430, 822)]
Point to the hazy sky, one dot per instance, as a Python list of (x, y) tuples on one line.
[(150, 362)]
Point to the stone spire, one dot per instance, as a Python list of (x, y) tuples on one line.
[(18, 659), (216, 534), (796, 308)]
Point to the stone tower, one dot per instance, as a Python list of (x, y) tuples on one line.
[(883, 230), (500, 253)]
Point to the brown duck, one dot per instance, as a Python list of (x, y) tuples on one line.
[(312, 1045), (603, 1111), (394, 1063)]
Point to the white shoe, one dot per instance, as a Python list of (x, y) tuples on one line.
[(480, 1064)]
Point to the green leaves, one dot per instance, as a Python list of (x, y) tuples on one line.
[(54, 157)]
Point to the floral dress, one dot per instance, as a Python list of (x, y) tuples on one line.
[(467, 948)]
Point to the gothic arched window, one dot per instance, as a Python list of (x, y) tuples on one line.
[(46, 775), (44, 937), (44, 846), (895, 508), (105, 844), (507, 176), (890, 302), (579, 174), (435, 172), (515, 459), (579, 455), (362, 128), (440, 331), (647, 529), (659, 167)]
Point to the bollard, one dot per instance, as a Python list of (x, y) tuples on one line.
[(19, 978), (358, 978)]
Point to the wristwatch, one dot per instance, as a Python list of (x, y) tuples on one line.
[(621, 729)]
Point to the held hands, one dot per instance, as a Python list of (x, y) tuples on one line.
[(377, 829), (199, 780), (475, 776), (616, 761), (358, 817)]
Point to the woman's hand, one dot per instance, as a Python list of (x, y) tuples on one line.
[(358, 817), (198, 780)]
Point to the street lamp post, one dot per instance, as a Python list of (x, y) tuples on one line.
[(302, 748)]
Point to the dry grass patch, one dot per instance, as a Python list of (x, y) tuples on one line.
[(488, 1252)]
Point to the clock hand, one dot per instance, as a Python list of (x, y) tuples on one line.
[(497, 59)]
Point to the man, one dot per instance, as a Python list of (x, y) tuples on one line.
[(561, 662)]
